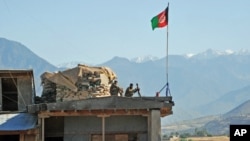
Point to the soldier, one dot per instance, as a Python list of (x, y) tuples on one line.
[(115, 90), (130, 91)]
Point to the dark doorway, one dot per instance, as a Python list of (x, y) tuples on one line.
[(111, 137), (54, 129), (54, 139), (9, 137), (9, 94)]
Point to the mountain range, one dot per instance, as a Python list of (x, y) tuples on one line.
[(209, 83)]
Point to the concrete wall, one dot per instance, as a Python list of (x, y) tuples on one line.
[(29, 138), (81, 128), (25, 95)]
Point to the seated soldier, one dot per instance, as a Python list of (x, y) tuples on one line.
[(130, 91), (115, 90)]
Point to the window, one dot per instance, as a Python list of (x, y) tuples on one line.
[(9, 94)]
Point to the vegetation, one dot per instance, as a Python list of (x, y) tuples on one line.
[(183, 136), (184, 139)]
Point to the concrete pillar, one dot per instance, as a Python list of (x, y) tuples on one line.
[(155, 125), (149, 127), (43, 128), (21, 137), (1, 94), (103, 125), (39, 136), (41, 123), (103, 128)]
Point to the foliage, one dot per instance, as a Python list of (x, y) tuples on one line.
[(197, 133), (184, 139), (185, 135)]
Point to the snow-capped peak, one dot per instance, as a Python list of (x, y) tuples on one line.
[(189, 55), (244, 52), (210, 53), (214, 53), (229, 51), (144, 59), (70, 64)]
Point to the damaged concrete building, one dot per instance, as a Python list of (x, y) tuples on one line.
[(95, 116), (77, 83)]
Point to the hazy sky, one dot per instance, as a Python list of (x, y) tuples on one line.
[(95, 31)]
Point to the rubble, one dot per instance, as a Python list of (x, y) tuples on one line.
[(81, 82)]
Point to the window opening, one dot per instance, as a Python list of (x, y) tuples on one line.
[(9, 94)]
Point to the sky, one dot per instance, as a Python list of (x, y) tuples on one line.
[(95, 31)]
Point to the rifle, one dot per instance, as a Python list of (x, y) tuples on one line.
[(138, 90)]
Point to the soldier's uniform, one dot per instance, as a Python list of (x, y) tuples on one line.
[(130, 91)]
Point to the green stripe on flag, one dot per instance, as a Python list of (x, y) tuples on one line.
[(154, 22)]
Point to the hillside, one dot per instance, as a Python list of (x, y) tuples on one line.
[(238, 115), (241, 110), (14, 55), (226, 102), (215, 125)]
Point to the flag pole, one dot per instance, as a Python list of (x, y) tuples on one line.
[(159, 21), (167, 88), (167, 54)]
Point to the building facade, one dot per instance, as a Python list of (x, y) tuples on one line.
[(110, 118)]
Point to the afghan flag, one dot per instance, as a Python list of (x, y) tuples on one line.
[(161, 20)]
